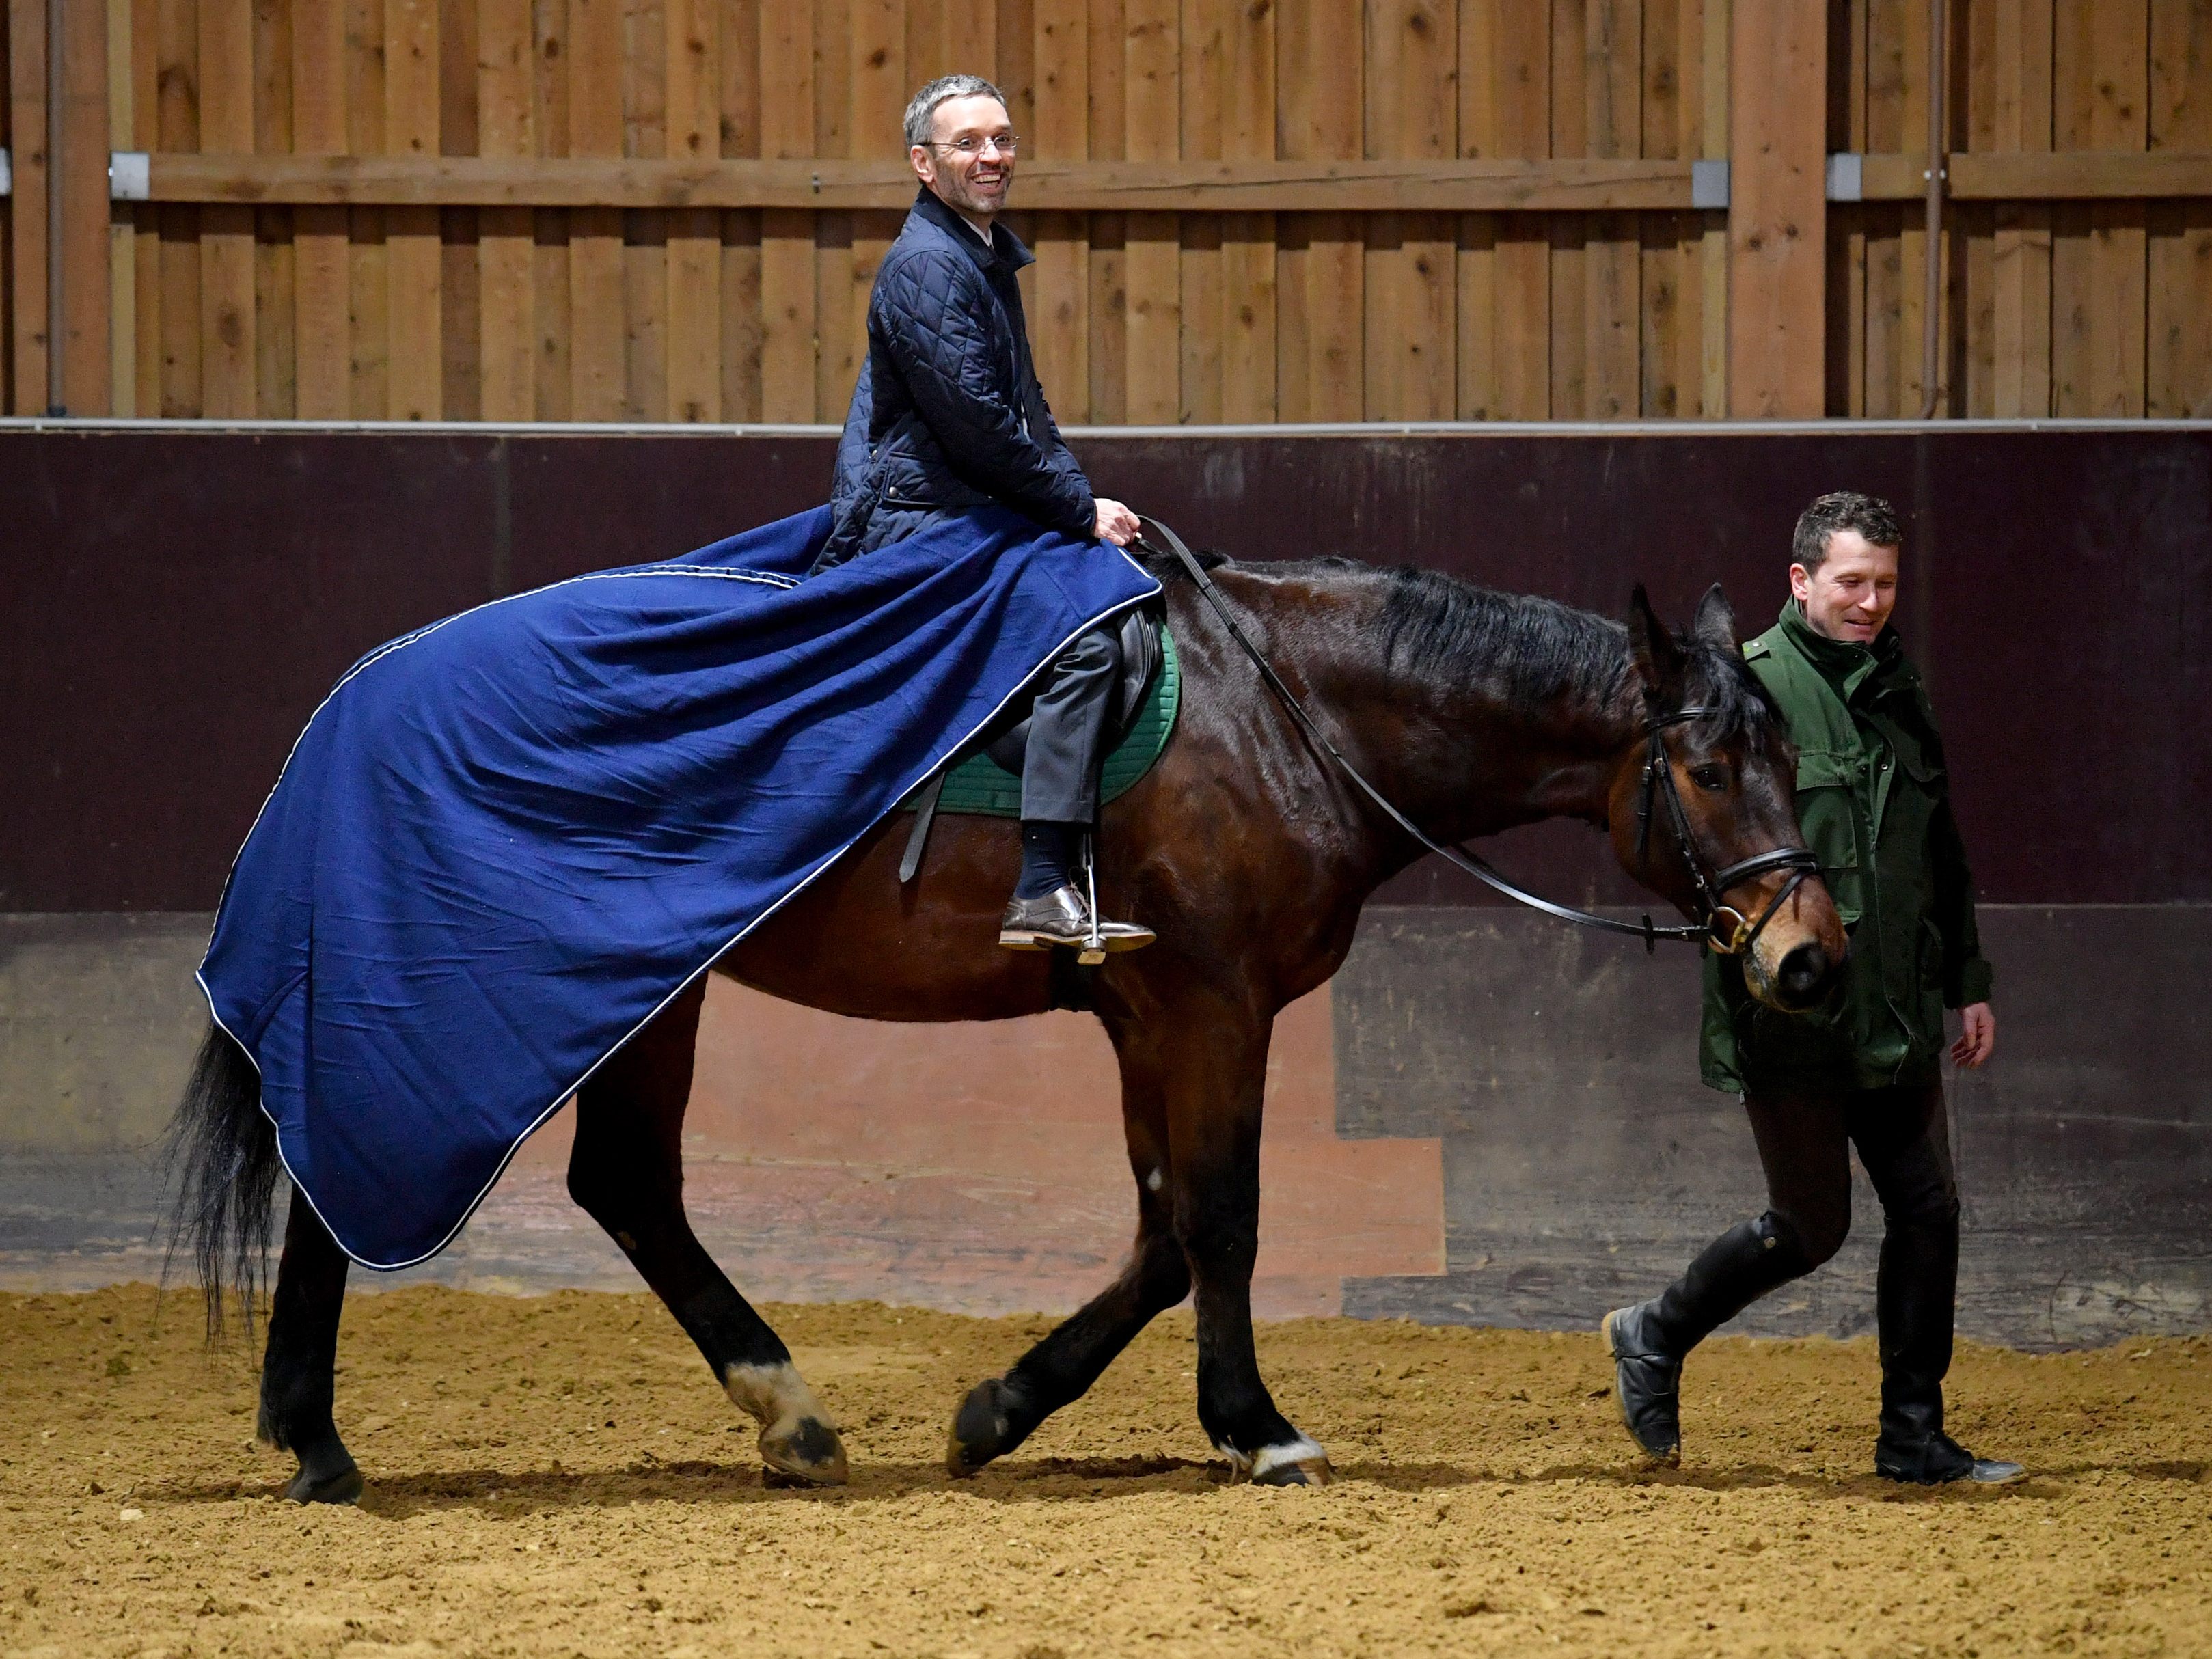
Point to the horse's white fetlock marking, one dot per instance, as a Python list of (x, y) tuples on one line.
[(1153, 1182), (1270, 1458), (1255, 1465), (771, 1394)]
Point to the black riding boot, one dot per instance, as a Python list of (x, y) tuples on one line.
[(1914, 1300), (1651, 1339)]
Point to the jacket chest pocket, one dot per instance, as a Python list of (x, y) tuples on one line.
[(1830, 786), (1922, 760), (1913, 789)]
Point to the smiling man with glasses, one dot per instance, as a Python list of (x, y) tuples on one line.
[(949, 418)]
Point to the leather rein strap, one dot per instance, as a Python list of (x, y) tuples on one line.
[(1658, 773)]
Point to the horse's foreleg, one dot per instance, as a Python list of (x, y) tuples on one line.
[(627, 1171), (1000, 1412), (1216, 1072), (298, 1369)]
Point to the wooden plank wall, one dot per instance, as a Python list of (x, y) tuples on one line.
[(2053, 307), (2094, 309), (8, 209), (601, 313)]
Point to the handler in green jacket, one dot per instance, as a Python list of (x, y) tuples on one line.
[(1864, 1069)]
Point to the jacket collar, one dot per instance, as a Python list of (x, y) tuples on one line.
[(1007, 251), (1844, 664)]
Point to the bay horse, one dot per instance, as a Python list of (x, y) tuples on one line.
[(1250, 854)]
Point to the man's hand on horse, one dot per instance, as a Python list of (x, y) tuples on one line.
[(1978, 1035), (1116, 524)]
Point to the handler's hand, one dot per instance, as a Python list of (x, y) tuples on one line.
[(1116, 524), (1977, 1036)]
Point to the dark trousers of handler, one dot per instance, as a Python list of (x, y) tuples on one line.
[(1805, 1135)]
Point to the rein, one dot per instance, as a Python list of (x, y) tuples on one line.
[(1713, 886)]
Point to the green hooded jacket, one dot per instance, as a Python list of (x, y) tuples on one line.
[(1875, 806)]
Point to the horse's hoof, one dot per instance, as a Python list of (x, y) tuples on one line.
[(807, 1452), (1300, 1463), (983, 1429), (332, 1485), (327, 1474), (1306, 1472)]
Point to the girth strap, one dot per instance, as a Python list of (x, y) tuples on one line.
[(925, 814)]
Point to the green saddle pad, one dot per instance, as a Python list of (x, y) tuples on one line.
[(981, 786)]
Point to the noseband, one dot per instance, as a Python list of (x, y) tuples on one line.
[(1727, 929), (1713, 886)]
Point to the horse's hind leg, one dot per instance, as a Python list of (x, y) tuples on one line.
[(297, 1371), (627, 1171), (1001, 1411)]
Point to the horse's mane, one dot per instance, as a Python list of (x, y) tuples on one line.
[(1538, 651), (1535, 651)]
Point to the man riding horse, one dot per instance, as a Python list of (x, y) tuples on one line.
[(447, 920), (948, 416)]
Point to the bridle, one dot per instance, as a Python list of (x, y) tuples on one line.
[(1721, 925), (1713, 886)]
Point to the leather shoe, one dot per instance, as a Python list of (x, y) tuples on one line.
[(1646, 1383), (1062, 917), (1936, 1460)]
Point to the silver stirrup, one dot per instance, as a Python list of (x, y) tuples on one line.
[(1094, 946)]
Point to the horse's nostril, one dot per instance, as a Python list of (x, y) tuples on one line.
[(1804, 971)]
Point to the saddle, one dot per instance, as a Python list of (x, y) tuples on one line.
[(983, 778)]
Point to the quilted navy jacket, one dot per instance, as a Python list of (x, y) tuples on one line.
[(948, 414)]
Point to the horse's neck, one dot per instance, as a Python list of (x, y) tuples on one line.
[(1464, 759), (1485, 763)]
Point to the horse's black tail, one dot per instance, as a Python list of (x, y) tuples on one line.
[(222, 1167)]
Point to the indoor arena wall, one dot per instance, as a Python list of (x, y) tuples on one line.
[(1485, 1117)]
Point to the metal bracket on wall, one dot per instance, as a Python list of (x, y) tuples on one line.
[(129, 176), (1847, 177), (1708, 184)]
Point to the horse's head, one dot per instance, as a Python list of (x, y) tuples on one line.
[(1703, 808)]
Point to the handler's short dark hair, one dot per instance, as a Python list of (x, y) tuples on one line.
[(1841, 509)]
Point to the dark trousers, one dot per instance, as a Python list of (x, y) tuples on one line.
[(1068, 729), (1805, 1136)]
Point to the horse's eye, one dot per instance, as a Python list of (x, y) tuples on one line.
[(1710, 777)]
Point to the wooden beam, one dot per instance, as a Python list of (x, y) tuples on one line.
[(2061, 176), (322, 325), (1777, 212), (1318, 186), (27, 74), (597, 366), (415, 364), (227, 311), (1320, 312), (788, 126), (2021, 250), (89, 379), (694, 238), (122, 223)]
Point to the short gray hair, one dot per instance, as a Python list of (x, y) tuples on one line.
[(921, 113)]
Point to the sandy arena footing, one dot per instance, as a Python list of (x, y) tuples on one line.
[(559, 1475)]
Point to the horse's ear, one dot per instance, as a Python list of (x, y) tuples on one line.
[(1715, 624), (1658, 659)]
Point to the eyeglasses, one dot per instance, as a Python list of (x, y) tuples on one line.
[(1006, 145)]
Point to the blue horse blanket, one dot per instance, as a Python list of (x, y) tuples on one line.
[(505, 841)]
